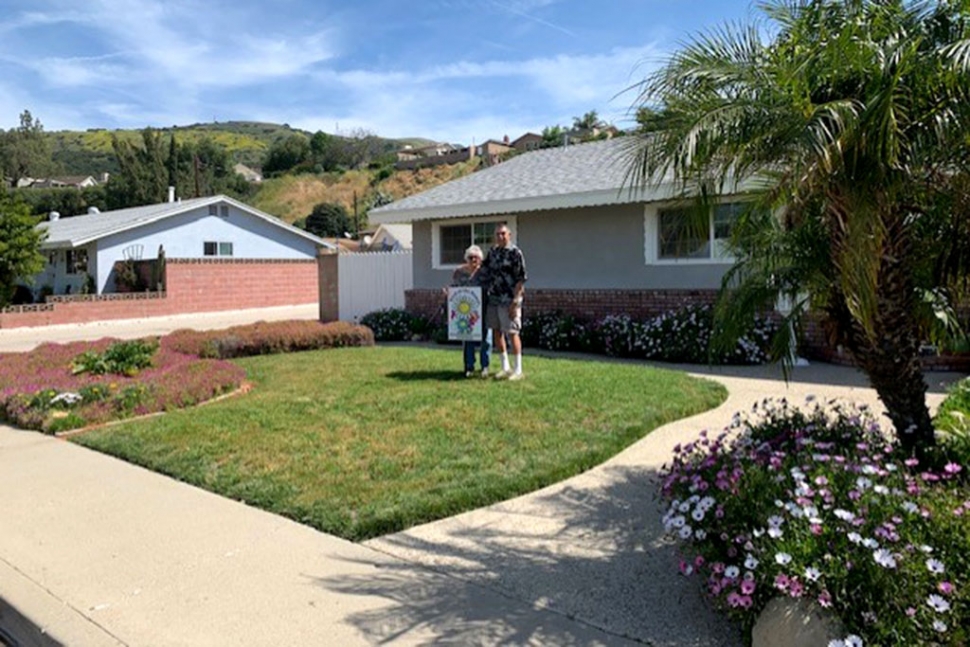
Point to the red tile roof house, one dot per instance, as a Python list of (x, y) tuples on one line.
[(220, 254), (593, 246)]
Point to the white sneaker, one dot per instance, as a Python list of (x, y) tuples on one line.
[(517, 376), (469, 373), (503, 375), (484, 373)]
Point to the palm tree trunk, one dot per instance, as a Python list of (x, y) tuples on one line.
[(888, 353)]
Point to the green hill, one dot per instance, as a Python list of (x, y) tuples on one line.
[(89, 152)]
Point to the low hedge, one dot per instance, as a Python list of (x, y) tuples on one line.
[(265, 338)]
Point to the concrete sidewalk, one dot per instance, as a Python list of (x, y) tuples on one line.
[(99, 552), (22, 339)]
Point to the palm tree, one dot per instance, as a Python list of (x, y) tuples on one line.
[(588, 121), (845, 124)]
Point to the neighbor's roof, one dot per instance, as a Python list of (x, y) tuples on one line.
[(402, 233), (80, 230), (579, 175)]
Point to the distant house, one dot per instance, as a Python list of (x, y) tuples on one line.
[(527, 142), (593, 244), (251, 174), (76, 181), (389, 238), (493, 151), (213, 227)]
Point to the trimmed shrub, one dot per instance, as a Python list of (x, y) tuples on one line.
[(264, 338), (391, 324)]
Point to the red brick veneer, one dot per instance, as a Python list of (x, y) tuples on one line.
[(192, 285)]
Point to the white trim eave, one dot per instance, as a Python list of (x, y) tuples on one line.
[(180, 208), (520, 205)]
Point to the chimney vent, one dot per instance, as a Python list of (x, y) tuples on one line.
[(93, 210), (53, 216), (171, 194)]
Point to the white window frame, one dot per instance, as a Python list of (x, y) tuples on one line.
[(436, 226), (651, 238), (218, 244)]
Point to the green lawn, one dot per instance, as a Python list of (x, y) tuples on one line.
[(360, 442)]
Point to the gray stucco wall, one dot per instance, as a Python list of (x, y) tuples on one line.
[(590, 248)]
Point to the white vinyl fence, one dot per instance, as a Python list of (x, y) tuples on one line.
[(370, 281)]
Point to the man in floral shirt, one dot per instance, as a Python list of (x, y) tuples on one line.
[(505, 279)]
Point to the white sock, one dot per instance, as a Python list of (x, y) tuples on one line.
[(505, 362), (517, 362)]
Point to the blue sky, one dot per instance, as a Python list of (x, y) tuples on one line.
[(450, 70)]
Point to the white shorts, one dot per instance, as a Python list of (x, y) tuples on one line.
[(497, 317)]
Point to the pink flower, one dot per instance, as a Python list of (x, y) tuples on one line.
[(747, 587), (946, 588), (952, 469), (825, 599), (781, 582)]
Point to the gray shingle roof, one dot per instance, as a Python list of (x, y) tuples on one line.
[(577, 175), (80, 230)]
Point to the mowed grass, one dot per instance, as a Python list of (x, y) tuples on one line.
[(361, 442)]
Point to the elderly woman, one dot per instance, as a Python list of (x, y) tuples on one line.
[(469, 275)]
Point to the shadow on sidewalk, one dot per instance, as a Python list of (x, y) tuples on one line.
[(17, 630), (595, 556)]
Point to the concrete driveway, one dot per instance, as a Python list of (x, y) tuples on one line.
[(98, 552)]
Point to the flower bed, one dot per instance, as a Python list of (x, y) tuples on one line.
[(680, 336), (58, 387), (40, 390), (817, 505)]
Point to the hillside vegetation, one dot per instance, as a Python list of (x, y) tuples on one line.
[(292, 197), (89, 152)]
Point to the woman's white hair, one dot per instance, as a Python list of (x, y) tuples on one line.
[(474, 250)]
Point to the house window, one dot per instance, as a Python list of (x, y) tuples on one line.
[(676, 235), (77, 261), (451, 239), (224, 211), (213, 210), (213, 248)]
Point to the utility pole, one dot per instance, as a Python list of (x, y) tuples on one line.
[(356, 220)]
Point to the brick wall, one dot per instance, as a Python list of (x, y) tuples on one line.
[(591, 305), (193, 285)]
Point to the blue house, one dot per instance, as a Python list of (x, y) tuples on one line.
[(214, 227)]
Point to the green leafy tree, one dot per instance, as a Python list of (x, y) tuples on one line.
[(20, 257), (143, 175), (25, 151), (329, 219), (286, 154), (846, 127), (552, 136), (203, 168)]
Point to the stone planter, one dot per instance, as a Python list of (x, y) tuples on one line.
[(788, 622)]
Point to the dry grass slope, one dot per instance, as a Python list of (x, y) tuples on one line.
[(293, 197)]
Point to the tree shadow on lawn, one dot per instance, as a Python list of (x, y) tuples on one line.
[(581, 563)]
